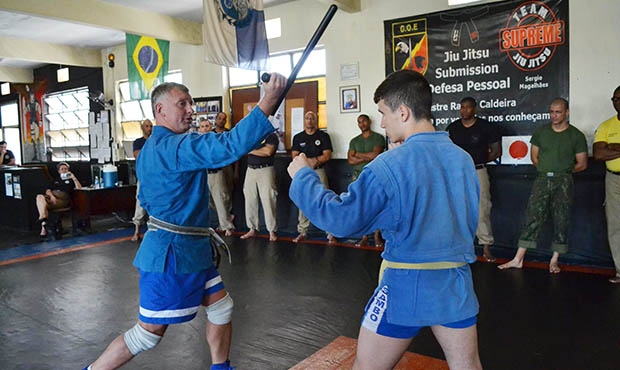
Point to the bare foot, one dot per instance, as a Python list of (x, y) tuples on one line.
[(512, 264), (554, 268), (379, 242), (331, 239), (272, 236), (363, 242), (299, 238), (249, 234), (228, 232), (43, 230), (136, 238), (487, 254)]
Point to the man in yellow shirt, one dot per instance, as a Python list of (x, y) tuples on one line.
[(607, 148)]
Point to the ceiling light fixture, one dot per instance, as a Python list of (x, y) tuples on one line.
[(63, 74), (5, 88)]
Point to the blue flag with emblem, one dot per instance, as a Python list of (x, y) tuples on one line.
[(234, 33), (147, 64)]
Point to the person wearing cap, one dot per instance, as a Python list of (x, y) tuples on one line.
[(58, 195)]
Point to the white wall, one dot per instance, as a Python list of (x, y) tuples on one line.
[(594, 62), (358, 37)]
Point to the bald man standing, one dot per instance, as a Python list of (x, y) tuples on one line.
[(317, 146)]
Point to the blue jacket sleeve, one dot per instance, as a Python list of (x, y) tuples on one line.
[(357, 212), (218, 150)]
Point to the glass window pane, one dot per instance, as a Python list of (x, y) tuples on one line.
[(54, 104), (69, 102), (10, 115), (82, 99), (147, 109), (322, 116), (131, 111), (131, 130), (242, 77), (280, 64), (124, 88), (56, 122), (314, 64), (82, 116), (174, 77), (273, 28), (82, 136), (71, 120)]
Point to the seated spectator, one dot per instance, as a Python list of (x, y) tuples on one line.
[(58, 195), (8, 159)]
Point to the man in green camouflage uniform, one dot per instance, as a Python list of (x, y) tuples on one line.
[(558, 150)]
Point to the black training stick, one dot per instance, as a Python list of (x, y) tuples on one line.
[(311, 44)]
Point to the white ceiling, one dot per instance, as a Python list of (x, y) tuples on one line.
[(25, 26)]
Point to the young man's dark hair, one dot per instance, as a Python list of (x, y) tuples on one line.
[(409, 88)]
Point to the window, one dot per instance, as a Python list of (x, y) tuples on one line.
[(67, 124), (282, 63), (133, 112), (314, 68), (9, 131), (242, 77), (273, 28), (314, 65)]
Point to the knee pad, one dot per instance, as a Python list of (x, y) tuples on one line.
[(220, 312), (139, 339)]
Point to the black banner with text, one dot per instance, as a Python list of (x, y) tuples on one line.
[(511, 56)]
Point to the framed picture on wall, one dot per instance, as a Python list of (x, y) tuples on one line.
[(349, 99), (208, 107)]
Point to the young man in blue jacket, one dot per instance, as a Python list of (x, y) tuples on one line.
[(423, 195)]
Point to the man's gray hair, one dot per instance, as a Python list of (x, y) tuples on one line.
[(162, 90)]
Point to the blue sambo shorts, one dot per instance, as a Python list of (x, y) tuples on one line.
[(169, 298)]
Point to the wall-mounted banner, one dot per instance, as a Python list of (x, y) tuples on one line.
[(511, 56), (32, 128), (147, 64)]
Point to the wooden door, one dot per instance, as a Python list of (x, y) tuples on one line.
[(301, 94)]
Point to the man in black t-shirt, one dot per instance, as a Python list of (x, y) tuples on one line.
[(8, 158), (483, 143), (260, 182), (317, 147)]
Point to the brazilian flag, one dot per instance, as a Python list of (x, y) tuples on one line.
[(147, 64)]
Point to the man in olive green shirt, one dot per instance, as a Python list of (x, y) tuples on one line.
[(558, 150), (362, 149)]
